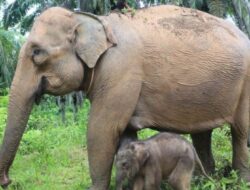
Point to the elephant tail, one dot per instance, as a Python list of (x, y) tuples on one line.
[(198, 162)]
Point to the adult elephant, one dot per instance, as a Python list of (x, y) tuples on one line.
[(166, 67)]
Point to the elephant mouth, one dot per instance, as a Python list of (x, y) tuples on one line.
[(40, 90)]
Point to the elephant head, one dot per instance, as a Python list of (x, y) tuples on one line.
[(61, 47), (129, 160)]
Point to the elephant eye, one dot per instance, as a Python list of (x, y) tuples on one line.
[(124, 165), (36, 51), (39, 56)]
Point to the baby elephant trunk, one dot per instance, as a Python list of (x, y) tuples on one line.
[(119, 181)]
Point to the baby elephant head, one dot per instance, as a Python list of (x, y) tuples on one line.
[(129, 161)]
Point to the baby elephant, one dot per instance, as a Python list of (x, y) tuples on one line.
[(143, 164)]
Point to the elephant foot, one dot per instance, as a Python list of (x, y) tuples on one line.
[(97, 188), (4, 181), (245, 175), (210, 166)]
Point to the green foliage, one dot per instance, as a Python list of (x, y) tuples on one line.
[(51, 155), (99, 7), (146, 133), (214, 7), (4, 91), (3, 110), (217, 7), (10, 44), (4, 101)]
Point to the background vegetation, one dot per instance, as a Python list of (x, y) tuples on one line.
[(52, 154)]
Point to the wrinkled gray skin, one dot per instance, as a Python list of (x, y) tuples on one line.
[(175, 69), (144, 164)]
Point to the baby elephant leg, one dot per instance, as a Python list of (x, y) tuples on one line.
[(138, 183), (153, 179), (180, 178)]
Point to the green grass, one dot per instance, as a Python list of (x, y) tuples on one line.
[(52, 155)]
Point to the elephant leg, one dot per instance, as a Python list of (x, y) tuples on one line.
[(109, 117), (180, 177), (239, 130), (202, 144), (138, 183), (152, 183)]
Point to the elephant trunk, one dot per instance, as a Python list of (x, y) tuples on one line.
[(20, 105), (121, 180), (118, 183)]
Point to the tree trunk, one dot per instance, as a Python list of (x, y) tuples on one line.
[(99, 7)]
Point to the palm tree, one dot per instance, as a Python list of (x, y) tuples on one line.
[(22, 13)]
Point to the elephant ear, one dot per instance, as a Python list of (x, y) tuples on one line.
[(93, 37), (141, 152)]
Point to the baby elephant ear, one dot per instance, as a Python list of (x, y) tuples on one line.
[(93, 37), (142, 152)]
